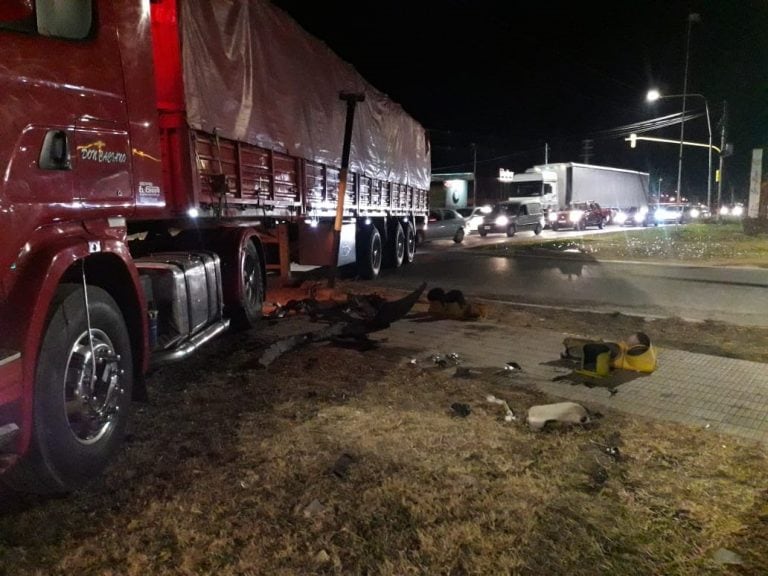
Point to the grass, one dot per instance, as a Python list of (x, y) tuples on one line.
[(229, 472), (713, 244)]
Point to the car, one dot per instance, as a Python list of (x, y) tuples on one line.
[(512, 217), (667, 214), (578, 216), (442, 223), (634, 216), (473, 217), (695, 213)]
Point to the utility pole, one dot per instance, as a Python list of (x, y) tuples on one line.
[(546, 153), (474, 175), (723, 121), (586, 151), (691, 19)]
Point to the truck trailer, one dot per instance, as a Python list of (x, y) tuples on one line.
[(560, 185), (159, 159)]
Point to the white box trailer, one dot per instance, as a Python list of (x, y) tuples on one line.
[(558, 185)]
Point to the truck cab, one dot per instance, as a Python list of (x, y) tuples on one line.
[(538, 184)]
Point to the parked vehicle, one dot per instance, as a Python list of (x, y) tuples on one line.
[(159, 160), (512, 217), (473, 216), (442, 223), (557, 186), (578, 216)]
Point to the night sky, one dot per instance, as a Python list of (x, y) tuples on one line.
[(510, 76)]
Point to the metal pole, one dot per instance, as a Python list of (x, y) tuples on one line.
[(546, 153), (351, 100), (709, 170), (723, 121), (474, 175), (682, 118)]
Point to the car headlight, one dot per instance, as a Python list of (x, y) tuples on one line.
[(476, 221), (620, 218), (502, 221), (552, 216), (724, 210), (737, 210), (642, 212), (575, 215)]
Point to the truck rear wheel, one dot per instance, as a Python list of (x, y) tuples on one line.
[(368, 252), (511, 230), (79, 416), (410, 243), (395, 254), (251, 288)]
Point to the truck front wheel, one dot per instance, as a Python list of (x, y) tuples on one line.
[(251, 288), (82, 394)]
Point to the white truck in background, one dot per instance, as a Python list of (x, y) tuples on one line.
[(558, 186)]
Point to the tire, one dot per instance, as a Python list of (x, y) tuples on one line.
[(537, 229), (555, 227), (459, 236), (511, 231), (395, 250), (369, 249), (582, 225), (251, 288), (73, 440), (483, 233), (600, 224), (410, 243)]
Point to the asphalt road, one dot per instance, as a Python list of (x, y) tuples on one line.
[(729, 294)]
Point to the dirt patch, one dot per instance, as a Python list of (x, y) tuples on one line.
[(336, 461)]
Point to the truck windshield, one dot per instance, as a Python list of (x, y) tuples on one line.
[(525, 189)]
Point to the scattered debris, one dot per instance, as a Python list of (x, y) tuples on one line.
[(636, 353), (314, 508), (341, 467), (460, 409), (463, 372), (725, 556), (509, 416), (361, 316), (564, 412), (322, 557), (514, 366), (443, 360), (452, 304)]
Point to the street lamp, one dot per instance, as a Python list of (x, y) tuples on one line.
[(654, 95)]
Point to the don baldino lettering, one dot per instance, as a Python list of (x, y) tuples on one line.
[(97, 152)]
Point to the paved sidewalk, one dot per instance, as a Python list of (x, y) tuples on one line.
[(722, 394)]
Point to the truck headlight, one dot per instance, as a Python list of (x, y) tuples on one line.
[(552, 216), (502, 221), (620, 218), (695, 213)]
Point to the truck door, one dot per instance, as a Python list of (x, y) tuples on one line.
[(102, 164)]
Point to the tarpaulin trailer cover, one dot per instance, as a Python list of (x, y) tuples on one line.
[(253, 74)]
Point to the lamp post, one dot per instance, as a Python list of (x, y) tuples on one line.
[(654, 95)]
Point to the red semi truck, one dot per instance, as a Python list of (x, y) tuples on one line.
[(149, 151)]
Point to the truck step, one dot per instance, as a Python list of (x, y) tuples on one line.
[(186, 348), (8, 434), (8, 356)]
